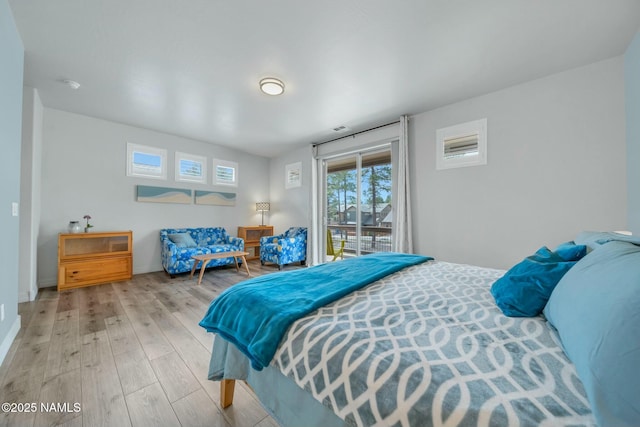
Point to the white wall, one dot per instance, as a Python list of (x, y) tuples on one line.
[(30, 183), (556, 166), (290, 207), (12, 59), (632, 103), (83, 172)]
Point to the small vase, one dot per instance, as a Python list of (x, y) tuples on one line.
[(75, 227)]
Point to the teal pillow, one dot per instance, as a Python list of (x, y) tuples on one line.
[(569, 251), (183, 240), (596, 310), (525, 289)]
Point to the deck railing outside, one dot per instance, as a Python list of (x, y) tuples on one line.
[(372, 239)]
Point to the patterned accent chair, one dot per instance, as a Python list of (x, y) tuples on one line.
[(176, 257), (285, 248)]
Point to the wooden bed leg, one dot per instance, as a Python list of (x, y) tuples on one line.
[(226, 392)]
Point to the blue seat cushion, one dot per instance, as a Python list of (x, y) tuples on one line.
[(214, 249)]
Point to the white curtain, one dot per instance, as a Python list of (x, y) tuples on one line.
[(314, 242), (402, 241)]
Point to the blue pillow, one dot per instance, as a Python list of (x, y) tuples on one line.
[(183, 240), (595, 239), (569, 251), (524, 290), (596, 310)]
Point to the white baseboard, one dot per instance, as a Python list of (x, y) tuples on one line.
[(47, 282), (8, 340), (29, 295)]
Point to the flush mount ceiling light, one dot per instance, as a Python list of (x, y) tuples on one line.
[(271, 86), (72, 84)]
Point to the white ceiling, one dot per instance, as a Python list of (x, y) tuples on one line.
[(191, 68)]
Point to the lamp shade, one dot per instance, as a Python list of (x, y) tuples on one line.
[(263, 206)]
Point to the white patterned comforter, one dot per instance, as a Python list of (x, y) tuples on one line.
[(428, 347)]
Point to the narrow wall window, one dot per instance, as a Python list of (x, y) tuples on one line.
[(225, 173), (190, 167), (146, 162), (462, 145), (293, 175)]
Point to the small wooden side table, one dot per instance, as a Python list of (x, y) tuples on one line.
[(251, 236), (205, 258)]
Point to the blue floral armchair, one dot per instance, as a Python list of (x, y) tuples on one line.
[(288, 247)]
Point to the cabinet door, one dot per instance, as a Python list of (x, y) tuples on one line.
[(91, 244), (74, 274), (254, 235)]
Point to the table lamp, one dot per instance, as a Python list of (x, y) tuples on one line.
[(263, 207)]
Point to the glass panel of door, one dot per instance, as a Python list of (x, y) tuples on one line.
[(358, 216)]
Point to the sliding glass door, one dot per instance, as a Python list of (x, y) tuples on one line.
[(358, 216)]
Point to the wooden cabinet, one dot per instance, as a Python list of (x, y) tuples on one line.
[(86, 259), (251, 236)]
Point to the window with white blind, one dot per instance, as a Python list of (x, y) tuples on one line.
[(225, 172), (191, 168), (462, 145)]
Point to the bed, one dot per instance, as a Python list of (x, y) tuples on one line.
[(423, 346)]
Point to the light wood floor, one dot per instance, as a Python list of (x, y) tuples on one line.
[(129, 353)]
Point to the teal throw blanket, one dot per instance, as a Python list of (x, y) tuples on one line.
[(255, 314)]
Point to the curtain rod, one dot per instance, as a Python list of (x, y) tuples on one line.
[(315, 144)]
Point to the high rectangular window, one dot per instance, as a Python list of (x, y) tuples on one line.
[(225, 172), (146, 162), (190, 167), (462, 145), (293, 175)]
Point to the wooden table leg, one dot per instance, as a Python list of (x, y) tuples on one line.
[(195, 265), (204, 265), (226, 392), (235, 259), (246, 265)]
